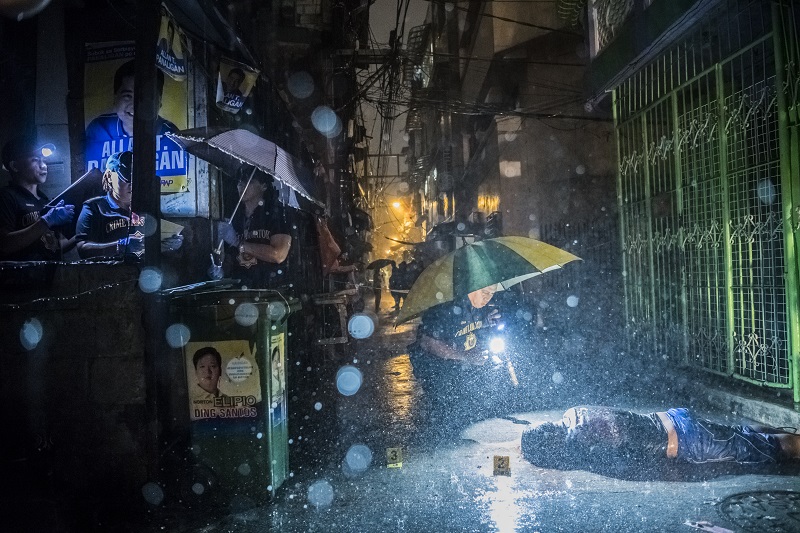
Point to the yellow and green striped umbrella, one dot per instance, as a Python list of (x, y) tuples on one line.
[(503, 260)]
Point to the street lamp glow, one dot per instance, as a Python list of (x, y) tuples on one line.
[(396, 204)]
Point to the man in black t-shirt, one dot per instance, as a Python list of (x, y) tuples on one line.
[(451, 351), (106, 226), (26, 223), (258, 238)]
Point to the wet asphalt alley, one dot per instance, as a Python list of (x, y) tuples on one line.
[(447, 482)]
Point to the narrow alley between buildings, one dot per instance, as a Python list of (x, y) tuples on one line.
[(382, 460)]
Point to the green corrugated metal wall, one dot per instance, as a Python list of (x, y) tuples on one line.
[(707, 140)]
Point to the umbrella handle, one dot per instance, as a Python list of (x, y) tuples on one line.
[(218, 250), (253, 173)]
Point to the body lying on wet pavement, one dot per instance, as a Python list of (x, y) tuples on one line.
[(590, 436)]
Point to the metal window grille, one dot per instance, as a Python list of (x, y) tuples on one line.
[(705, 190)]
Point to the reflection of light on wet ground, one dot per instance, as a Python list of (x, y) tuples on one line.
[(507, 503), (401, 389), (512, 509), (502, 505)]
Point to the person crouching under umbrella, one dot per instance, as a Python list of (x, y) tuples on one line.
[(449, 352)]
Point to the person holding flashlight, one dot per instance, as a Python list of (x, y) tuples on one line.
[(26, 221), (453, 343)]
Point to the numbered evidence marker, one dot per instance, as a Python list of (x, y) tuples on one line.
[(394, 457), (502, 465)]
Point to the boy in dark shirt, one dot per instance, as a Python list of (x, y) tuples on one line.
[(25, 233)]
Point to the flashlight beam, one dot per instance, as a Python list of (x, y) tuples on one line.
[(512, 374)]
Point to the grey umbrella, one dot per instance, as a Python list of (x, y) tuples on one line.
[(228, 149)]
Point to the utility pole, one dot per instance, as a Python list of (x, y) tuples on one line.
[(147, 201), (146, 186)]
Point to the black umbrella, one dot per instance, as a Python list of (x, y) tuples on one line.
[(379, 263)]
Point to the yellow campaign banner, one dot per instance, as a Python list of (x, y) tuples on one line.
[(223, 379), (234, 83), (108, 113), (169, 54)]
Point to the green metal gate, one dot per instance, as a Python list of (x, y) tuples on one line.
[(708, 136)]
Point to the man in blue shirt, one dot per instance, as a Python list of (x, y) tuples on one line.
[(113, 132)]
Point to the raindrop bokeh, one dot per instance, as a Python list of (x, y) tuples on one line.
[(149, 224), (178, 335), (301, 84), (152, 493), (348, 380), (30, 334), (276, 311), (320, 494), (326, 121), (572, 301), (246, 314), (361, 326), (766, 192), (150, 280), (358, 457)]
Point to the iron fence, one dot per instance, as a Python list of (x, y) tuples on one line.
[(707, 139)]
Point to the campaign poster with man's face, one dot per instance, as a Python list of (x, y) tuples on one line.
[(169, 52), (109, 76), (223, 379), (234, 83)]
